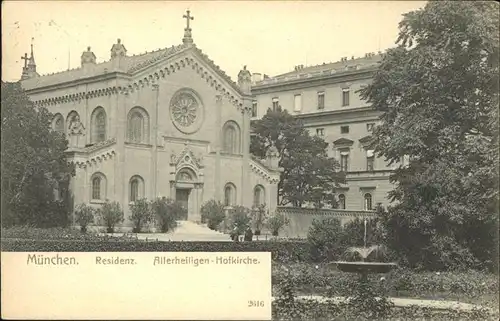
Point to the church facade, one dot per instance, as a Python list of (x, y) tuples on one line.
[(168, 123)]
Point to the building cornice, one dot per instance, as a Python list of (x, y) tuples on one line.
[(314, 81), (112, 75), (152, 73)]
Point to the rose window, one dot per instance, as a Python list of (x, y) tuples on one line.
[(185, 109)]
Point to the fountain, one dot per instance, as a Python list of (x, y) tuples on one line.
[(362, 267), (366, 299)]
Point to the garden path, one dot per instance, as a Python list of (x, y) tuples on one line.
[(406, 302), (187, 231)]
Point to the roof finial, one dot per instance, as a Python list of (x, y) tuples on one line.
[(32, 57), (187, 31)]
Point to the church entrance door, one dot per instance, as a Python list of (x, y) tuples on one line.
[(182, 196)]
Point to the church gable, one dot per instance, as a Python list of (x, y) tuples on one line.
[(194, 59)]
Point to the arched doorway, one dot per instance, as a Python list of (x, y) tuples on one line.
[(185, 183)]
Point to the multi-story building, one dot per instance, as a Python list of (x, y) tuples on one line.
[(326, 98), (165, 123)]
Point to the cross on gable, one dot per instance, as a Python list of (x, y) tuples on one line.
[(188, 17), (25, 58)]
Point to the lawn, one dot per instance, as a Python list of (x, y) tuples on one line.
[(324, 279)]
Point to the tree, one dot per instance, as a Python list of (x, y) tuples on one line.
[(212, 213), (327, 238), (259, 217), (84, 216), (168, 212), (276, 222), (309, 175), (142, 214), (240, 219), (33, 163), (438, 94), (111, 214)]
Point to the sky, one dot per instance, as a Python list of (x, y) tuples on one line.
[(269, 37)]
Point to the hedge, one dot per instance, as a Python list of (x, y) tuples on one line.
[(282, 251), (470, 286), (313, 310)]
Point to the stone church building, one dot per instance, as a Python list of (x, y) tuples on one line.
[(165, 123)]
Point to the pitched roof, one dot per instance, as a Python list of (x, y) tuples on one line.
[(128, 64), (343, 141), (365, 139)]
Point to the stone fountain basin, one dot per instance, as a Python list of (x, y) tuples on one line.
[(365, 267)]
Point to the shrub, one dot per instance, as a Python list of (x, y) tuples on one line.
[(111, 214), (355, 232), (240, 219), (281, 251), (142, 214), (326, 237), (84, 216), (212, 213), (368, 301), (259, 217), (168, 212), (276, 222)]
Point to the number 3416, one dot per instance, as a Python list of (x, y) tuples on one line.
[(255, 304)]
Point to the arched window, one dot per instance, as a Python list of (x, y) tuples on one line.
[(98, 181), (368, 202), (96, 188), (58, 124), (98, 125), (258, 195), (229, 194), (136, 188), (138, 125), (342, 201), (231, 138)]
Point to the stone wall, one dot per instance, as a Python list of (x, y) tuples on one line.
[(301, 218)]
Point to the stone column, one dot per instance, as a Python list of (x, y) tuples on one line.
[(273, 196), (121, 186), (218, 147), (195, 211), (154, 141), (86, 192), (172, 190), (245, 145)]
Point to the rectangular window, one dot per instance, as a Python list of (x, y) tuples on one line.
[(297, 103), (254, 109), (370, 160), (344, 129), (345, 96), (369, 126), (344, 161), (320, 131), (276, 103), (321, 100)]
